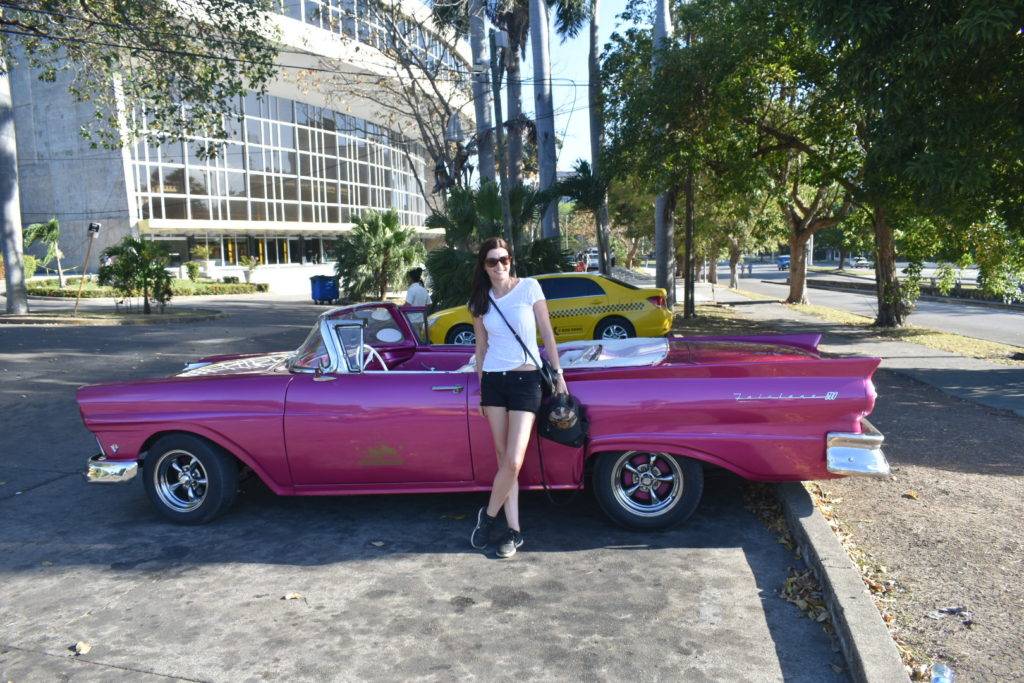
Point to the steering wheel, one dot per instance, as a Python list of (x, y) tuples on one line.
[(369, 354)]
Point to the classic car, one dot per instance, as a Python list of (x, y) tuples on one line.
[(364, 407), (582, 306)]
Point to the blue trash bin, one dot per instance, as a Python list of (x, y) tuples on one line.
[(324, 289)]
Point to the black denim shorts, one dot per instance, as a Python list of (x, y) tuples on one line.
[(512, 389)]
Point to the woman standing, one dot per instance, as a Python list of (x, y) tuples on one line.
[(510, 382)]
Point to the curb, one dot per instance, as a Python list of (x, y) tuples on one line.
[(869, 650), (65, 321)]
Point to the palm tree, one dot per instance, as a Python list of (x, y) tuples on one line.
[(589, 192), (139, 266), (569, 18), (513, 17), (596, 103), (376, 253), (10, 208), (48, 233)]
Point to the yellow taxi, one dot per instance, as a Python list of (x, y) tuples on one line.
[(582, 306)]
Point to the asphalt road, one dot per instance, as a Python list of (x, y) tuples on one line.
[(981, 322), (389, 586)]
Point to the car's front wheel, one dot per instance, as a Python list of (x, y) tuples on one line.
[(645, 490), (461, 334), (614, 328), (188, 479)]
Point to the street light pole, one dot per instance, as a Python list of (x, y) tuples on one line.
[(500, 40), (94, 231)]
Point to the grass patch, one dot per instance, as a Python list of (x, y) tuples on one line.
[(960, 345), (724, 319)]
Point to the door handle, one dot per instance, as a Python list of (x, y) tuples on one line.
[(454, 388), (324, 378)]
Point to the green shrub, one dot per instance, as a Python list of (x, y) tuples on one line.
[(30, 264), (230, 279), (451, 276), (178, 288), (192, 267)]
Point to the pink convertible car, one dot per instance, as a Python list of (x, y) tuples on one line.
[(364, 406)]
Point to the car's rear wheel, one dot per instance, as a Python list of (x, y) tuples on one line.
[(645, 490), (461, 334), (188, 479), (614, 328)]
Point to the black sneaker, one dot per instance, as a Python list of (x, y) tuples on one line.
[(508, 544), (481, 535)]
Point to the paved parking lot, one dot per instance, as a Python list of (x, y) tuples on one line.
[(388, 586)]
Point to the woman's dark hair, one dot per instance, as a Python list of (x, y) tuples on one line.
[(479, 302), (415, 275)]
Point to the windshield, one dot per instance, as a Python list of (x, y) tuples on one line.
[(311, 353)]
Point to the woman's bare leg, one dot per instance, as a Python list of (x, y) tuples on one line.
[(505, 490)]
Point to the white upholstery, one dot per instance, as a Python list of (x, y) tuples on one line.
[(605, 353)]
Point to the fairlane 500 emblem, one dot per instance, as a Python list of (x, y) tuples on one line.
[(829, 396)]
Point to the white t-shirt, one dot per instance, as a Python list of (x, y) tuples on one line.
[(417, 295), (503, 351)]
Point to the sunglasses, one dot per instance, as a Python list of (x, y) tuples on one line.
[(493, 262)]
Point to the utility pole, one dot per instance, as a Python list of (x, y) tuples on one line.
[(499, 44)]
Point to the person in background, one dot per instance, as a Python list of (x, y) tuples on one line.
[(417, 294)]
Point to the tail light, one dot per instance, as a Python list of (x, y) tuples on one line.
[(658, 301)]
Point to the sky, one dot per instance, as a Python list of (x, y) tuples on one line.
[(568, 65)]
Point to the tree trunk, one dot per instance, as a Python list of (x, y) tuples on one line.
[(733, 262), (61, 280), (665, 203), (543, 108), (842, 258), (515, 114), (631, 254), (664, 243), (797, 269), (689, 302), (891, 311), (482, 105), (10, 202), (713, 271), (145, 295)]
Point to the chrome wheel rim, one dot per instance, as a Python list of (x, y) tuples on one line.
[(181, 481), (647, 484), (615, 331), (466, 337)]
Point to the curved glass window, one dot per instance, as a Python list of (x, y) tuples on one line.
[(286, 161)]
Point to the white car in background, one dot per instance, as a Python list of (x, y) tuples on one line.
[(861, 262)]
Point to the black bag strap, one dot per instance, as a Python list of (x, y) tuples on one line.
[(540, 366), (551, 384)]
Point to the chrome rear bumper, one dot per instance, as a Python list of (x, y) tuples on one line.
[(99, 470), (861, 454)]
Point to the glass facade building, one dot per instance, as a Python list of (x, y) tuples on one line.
[(284, 162)]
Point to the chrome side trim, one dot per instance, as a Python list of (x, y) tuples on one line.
[(99, 470), (849, 454)]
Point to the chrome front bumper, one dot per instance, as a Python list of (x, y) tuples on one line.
[(861, 454), (99, 470)]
